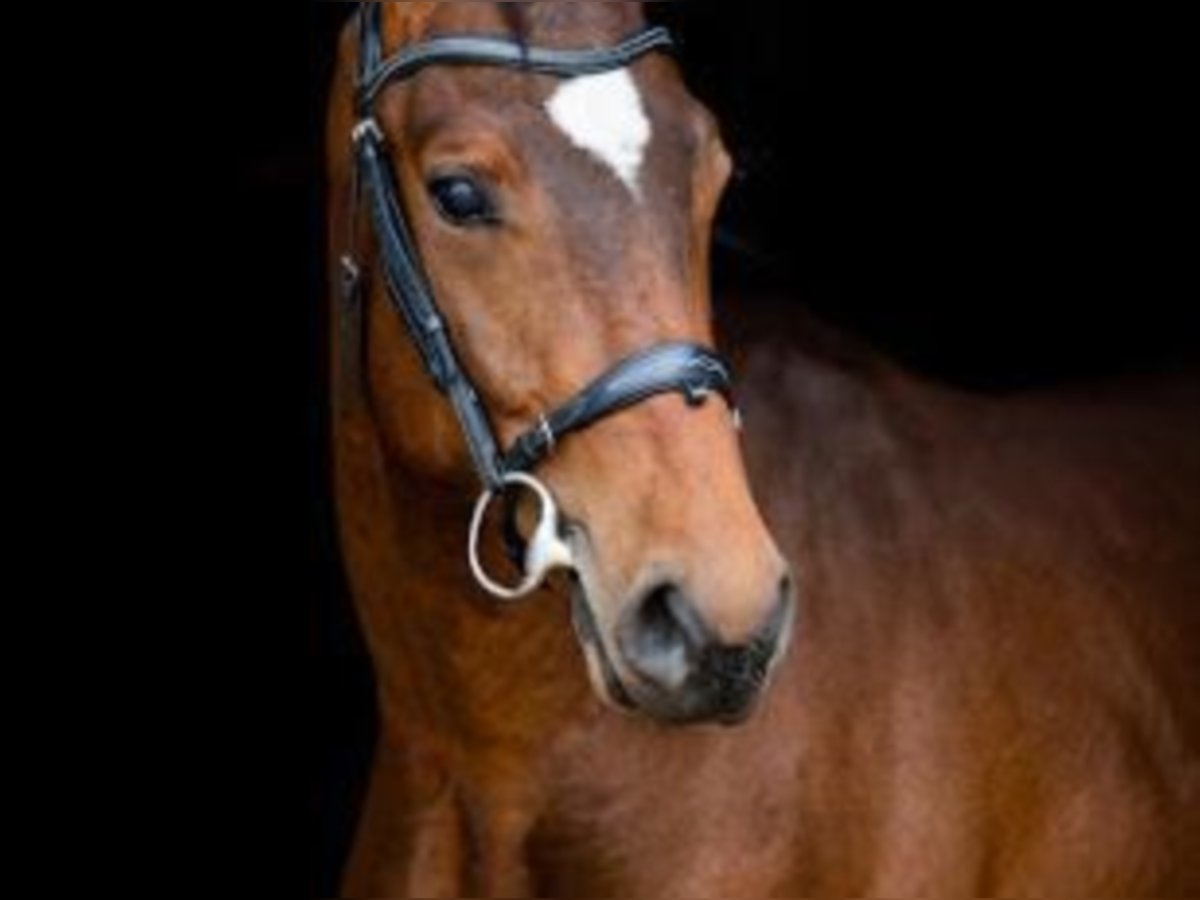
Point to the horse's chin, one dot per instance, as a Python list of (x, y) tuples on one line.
[(601, 671)]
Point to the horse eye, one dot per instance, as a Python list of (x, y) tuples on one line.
[(461, 201)]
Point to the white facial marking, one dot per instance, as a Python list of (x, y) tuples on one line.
[(603, 115)]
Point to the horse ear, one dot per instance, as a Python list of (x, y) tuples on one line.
[(405, 23)]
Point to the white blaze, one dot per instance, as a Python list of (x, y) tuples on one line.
[(603, 115)]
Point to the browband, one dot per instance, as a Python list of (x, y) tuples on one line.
[(485, 50)]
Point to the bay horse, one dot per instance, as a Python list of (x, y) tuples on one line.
[(990, 688)]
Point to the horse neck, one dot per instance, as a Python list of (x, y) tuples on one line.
[(883, 486), (448, 661), (842, 445), (962, 542)]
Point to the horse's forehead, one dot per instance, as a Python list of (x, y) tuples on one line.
[(604, 116), (548, 22), (611, 122)]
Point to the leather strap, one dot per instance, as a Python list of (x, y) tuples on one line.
[(484, 50), (686, 368), (413, 299), (370, 39)]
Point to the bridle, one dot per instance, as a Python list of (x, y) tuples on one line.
[(690, 369)]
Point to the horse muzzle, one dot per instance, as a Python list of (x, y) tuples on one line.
[(667, 662)]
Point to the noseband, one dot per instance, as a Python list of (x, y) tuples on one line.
[(673, 367)]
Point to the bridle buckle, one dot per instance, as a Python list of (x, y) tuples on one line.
[(351, 276), (364, 128), (546, 430)]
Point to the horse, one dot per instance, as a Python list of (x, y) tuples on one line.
[(889, 639)]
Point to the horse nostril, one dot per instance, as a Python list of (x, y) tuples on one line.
[(784, 608), (662, 636)]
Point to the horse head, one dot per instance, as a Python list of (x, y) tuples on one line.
[(562, 220)]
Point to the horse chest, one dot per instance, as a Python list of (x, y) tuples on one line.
[(637, 811), (672, 838)]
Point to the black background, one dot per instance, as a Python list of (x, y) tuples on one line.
[(994, 197)]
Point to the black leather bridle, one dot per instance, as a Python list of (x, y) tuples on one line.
[(690, 369)]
